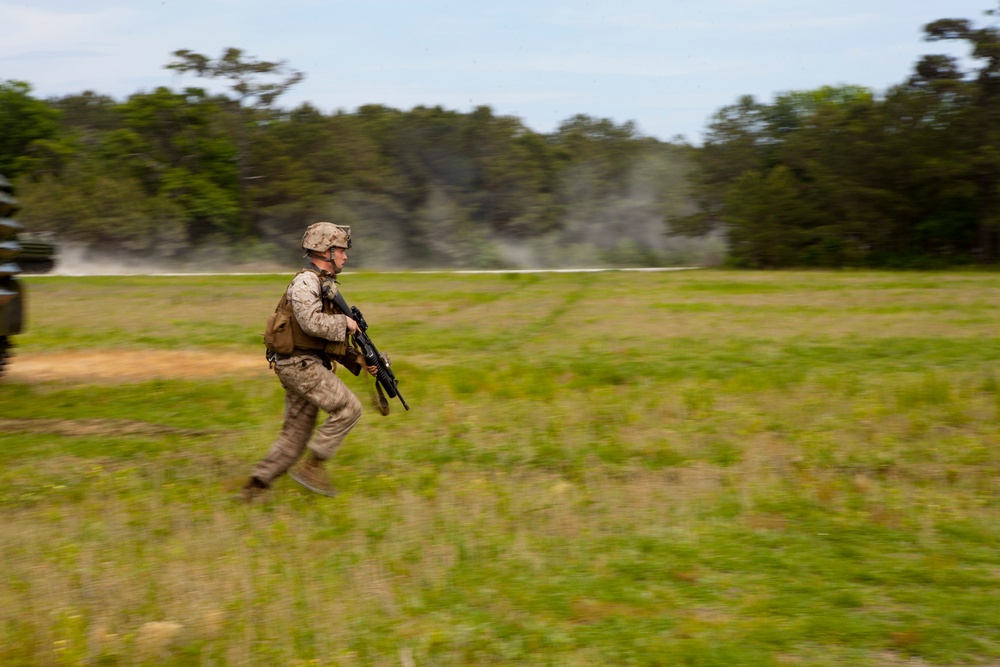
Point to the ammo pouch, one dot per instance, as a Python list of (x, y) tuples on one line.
[(278, 336)]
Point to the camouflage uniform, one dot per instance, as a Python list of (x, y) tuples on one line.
[(310, 386)]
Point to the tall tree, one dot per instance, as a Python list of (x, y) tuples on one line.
[(515, 174), (28, 127), (172, 144), (981, 124), (257, 85), (736, 142), (87, 115)]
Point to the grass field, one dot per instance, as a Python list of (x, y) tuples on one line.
[(697, 468)]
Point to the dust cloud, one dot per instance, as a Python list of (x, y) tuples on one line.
[(78, 260)]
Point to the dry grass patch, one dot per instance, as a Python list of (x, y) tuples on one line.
[(114, 366)]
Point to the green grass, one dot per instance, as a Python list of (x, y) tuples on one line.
[(698, 468)]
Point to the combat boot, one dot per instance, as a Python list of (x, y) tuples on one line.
[(254, 488), (310, 474)]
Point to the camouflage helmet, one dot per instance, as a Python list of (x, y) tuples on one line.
[(321, 236)]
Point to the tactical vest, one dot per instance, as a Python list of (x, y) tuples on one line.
[(285, 335)]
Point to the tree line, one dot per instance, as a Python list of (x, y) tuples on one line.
[(838, 176), (175, 173)]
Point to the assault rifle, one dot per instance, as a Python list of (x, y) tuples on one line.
[(385, 378)]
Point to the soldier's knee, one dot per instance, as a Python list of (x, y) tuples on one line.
[(354, 407)]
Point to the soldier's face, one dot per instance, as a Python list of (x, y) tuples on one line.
[(339, 258)]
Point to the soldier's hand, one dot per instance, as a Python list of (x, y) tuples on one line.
[(352, 326), (372, 370)]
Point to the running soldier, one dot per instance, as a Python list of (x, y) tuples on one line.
[(306, 337)]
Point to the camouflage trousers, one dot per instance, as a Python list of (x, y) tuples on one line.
[(309, 387)]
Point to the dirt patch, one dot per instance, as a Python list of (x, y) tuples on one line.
[(103, 366), (94, 427)]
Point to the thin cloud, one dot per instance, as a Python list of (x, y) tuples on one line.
[(29, 27), (42, 56)]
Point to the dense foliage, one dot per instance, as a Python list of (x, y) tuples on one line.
[(842, 177), (838, 176)]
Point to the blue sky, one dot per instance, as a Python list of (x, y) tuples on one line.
[(666, 65)]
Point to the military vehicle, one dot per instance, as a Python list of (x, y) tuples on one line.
[(20, 252), (11, 302), (38, 252)]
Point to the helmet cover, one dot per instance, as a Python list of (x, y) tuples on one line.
[(321, 236)]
